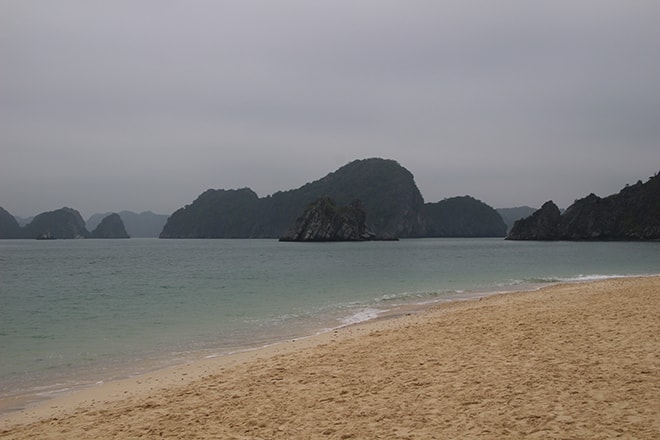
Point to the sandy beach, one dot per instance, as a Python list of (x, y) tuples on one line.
[(569, 361)]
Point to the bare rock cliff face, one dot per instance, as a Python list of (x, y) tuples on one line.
[(325, 221)]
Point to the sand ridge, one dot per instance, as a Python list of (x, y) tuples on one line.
[(569, 361)]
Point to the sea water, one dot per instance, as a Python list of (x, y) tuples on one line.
[(75, 312)]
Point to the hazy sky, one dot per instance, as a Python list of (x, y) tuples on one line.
[(143, 105)]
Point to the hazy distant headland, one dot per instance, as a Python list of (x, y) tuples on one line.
[(63, 223), (144, 224)]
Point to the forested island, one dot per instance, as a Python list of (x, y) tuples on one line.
[(387, 191)]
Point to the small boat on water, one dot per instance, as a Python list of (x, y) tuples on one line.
[(45, 236)]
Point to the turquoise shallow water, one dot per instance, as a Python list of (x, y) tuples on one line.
[(80, 311)]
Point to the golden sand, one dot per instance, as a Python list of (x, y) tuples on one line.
[(570, 361)]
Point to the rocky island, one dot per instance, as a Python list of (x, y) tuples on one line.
[(631, 214), (144, 224), (325, 221), (61, 223), (111, 226)]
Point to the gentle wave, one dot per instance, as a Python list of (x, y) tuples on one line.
[(596, 277), (583, 278), (362, 315), (414, 296), (565, 279)]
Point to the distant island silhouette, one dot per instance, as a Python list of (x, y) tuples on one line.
[(393, 208)]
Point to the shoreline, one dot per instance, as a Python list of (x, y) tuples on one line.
[(198, 377), (25, 401), (42, 393)]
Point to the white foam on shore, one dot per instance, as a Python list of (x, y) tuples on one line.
[(593, 277), (546, 280), (590, 277), (425, 298), (361, 315), (418, 297)]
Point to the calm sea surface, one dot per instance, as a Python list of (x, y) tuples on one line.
[(74, 312)]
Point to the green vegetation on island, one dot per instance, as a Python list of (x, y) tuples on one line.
[(393, 204)]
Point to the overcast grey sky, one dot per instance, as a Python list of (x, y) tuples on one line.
[(144, 104)]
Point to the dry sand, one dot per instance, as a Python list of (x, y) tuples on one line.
[(569, 361)]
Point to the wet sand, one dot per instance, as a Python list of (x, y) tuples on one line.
[(568, 361)]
